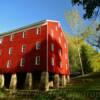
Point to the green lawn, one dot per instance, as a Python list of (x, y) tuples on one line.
[(80, 88)]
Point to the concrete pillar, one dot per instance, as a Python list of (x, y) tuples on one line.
[(1, 81), (63, 80), (68, 78), (13, 82), (56, 81), (44, 81), (28, 81)]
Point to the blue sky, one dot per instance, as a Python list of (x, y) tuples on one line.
[(18, 13)]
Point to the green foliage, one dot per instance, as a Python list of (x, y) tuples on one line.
[(90, 60)]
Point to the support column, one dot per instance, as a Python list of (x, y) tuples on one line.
[(13, 82), (63, 80), (56, 81), (28, 81), (44, 82), (1, 81), (68, 78)]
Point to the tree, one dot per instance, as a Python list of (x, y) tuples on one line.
[(90, 58), (91, 7)]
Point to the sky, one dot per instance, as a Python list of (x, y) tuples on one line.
[(18, 13)]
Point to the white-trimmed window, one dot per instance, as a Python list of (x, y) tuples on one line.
[(59, 52), (56, 28), (59, 40), (10, 51), (1, 39), (38, 30), (52, 47), (52, 61), (37, 60), (8, 63), (23, 35), (38, 45), (65, 56), (65, 45), (66, 66), (59, 25), (23, 48), (61, 34), (11, 37), (52, 32), (60, 64), (22, 62)]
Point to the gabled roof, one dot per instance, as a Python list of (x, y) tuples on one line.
[(24, 27)]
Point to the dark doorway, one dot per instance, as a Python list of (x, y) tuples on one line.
[(21, 80), (7, 78)]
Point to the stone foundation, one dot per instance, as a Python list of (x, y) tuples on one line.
[(44, 81), (68, 79), (28, 81), (1, 81), (13, 82), (63, 81), (56, 81)]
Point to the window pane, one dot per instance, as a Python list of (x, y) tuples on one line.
[(38, 45), (1, 39), (52, 47), (38, 31), (37, 60), (52, 61)]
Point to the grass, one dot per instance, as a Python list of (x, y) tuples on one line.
[(81, 88)]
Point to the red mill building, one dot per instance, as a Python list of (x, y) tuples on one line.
[(37, 53)]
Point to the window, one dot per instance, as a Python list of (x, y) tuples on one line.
[(52, 47), (65, 56), (10, 51), (66, 66), (37, 60), (59, 40), (23, 35), (59, 51), (61, 34), (22, 62), (59, 25), (65, 45), (60, 64), (1, 39), (56, 28), (23, 48), (38, 30), (52, 61), (11, 37), (38, 45), (8, 63), (52, 33)]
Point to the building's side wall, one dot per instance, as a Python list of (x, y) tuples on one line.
[(56, 36), (30, 53)]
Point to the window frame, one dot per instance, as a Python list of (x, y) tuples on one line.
[(37, 60)]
